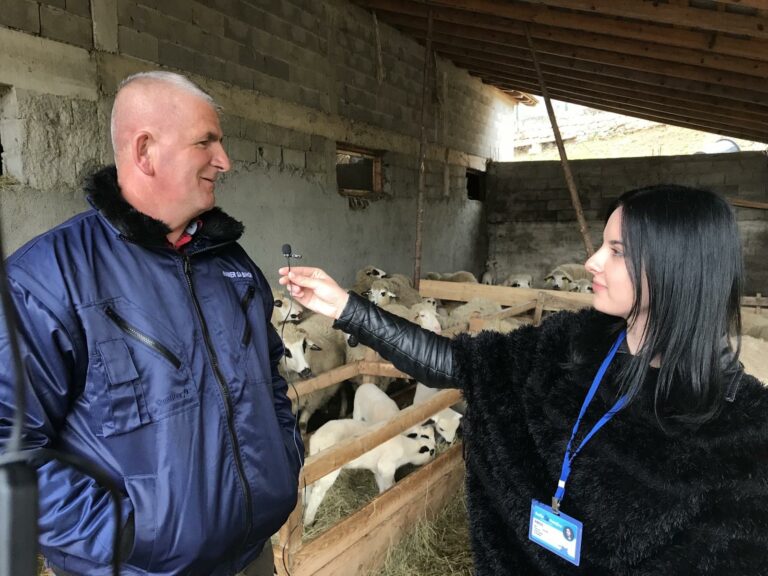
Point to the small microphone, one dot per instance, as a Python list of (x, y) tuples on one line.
[(288, 252)]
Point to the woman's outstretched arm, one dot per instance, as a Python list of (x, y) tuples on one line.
[(420, 353)]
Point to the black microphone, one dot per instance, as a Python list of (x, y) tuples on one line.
[(288, 252)]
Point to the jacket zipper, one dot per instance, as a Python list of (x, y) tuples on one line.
[(227, 399), (141, 337), (246, 301)]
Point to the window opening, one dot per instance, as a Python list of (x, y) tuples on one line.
[(475, 185), (358, 175)]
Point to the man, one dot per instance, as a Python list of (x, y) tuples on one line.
[(148, 350)]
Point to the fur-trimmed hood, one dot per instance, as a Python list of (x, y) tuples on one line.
[(104, 194)]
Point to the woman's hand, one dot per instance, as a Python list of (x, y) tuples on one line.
[(314, 289)]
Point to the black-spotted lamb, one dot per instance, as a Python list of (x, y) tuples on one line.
[(383, 461)]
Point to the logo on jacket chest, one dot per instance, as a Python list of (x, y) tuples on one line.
[(237, 274)]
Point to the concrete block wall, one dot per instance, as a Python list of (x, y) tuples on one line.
[(295, 77), (532, 226)]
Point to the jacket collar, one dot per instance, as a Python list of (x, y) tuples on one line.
[(104, 194)]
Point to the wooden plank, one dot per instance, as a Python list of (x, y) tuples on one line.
[(510, 34), (751, 90), (747, 203), (508, 16), (464, 292), (330, 459), (655, 12), (304, 387), (378, 368), (289, 539), (358, 544)]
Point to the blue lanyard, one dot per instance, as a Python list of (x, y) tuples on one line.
[(569, 457)]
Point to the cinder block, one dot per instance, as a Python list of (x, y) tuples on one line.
[(295, 158), (175, 56), (210, 20), (79, 7), (318, 161), (243, 150), (179, 9), (22, 15), (56, 3), (238, 75), (256, 131), (277, 68), (137, 44), (236, 30), (58, 24), (288, 138), (271, 155)]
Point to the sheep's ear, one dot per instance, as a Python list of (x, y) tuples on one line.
[(412, 435), (428, 422), (423, 449), (550, 277), (313, 346), (391, 294)]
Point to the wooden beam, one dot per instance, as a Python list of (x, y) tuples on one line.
[(656, 12), (328, 460), (758, 4), (304, 387), (358, 544), (740, 128), (506, 15), (748, 203), (562, 41), (749, 90), (575, 200), (464, 292)]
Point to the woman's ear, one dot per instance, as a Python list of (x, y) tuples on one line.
[(141, 152)]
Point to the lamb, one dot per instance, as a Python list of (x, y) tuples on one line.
[(480, 306), (490, 275), (459, 276), (583, 285), (365, 277), (285, 309), (446, 421), (372, 405), (517, 280), (561, 276), (399, 287), (383, 460), (380, 293)]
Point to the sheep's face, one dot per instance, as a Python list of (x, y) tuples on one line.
[(286, 311), (381, 296), (583, 286), (423, 445), (375, 272), (427, 319), (447, 423), (520, 283), (295, 354), (431, 301), (558, 281)]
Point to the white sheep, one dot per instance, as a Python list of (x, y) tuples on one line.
[(582, 285), (458, 276), (323, 349), (563, 275), (365, 277), (285, 309), (446, 421), (380, 293), (400, 287), (489, 277), (518, 280), (383, 461), (476, 306)]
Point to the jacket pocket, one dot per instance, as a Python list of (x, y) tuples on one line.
[(127, 409), (145, 339), (142, 493)]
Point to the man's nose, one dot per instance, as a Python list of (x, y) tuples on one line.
[(220, 159)]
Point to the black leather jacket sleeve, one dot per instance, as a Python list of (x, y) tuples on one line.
[(422, 354)]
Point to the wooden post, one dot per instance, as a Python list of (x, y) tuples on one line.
[(575, 200), (422, 155)]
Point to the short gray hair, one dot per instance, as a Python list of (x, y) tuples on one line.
[(178, 80)]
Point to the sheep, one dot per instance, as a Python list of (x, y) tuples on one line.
[(400, 288), (561, 276), (489, 277), (426, 317), (323, 350), (285, 309), (503, 325), (365, 277), (753, 324), (582, 285), (295, 342), (446, 421), (480, 306), (516, 280), (380, 293), (383, 460), (459, 276)]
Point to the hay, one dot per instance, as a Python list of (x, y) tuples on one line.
[(436, 548)]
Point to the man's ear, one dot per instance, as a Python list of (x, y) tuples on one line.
[(141, 150)]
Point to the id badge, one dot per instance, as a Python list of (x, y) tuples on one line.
[(559, 534)]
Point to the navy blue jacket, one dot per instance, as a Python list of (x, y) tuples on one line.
[(160, 367)]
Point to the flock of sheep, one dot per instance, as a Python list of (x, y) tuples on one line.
[(313, 347), (565, 277)]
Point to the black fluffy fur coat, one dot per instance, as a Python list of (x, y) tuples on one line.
[(653, 502)]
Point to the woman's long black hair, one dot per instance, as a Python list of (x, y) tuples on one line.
[(683, 245)]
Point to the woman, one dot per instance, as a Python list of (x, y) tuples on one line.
[(674, 478)]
